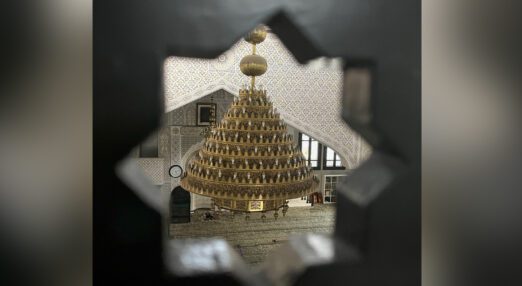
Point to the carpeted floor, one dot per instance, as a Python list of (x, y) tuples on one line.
[(255, 238)]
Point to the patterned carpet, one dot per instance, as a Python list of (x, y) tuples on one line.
[(255, 238)]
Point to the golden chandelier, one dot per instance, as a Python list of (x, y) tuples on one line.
[(248, 162)]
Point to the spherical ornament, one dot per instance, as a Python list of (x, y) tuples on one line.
[(253, 65), (257, 36)]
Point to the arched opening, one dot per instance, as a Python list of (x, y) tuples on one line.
[(179, 206)]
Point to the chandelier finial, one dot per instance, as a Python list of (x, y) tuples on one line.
[(254, 65)]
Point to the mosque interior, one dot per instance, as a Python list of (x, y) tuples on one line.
[(251, 148)]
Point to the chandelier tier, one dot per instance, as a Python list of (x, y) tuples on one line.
[(248, 162)]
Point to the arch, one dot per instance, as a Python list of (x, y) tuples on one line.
[(197, 201), (179, 206), (190, 152)]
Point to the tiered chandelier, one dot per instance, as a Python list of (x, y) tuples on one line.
[(248, 162)]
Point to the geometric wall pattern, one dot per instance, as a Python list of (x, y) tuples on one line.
[(307, 96), (153, 169), (186, 114)]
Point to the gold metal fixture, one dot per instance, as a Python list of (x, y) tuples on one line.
[(248, 162)]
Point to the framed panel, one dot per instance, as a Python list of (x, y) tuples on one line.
[(204, 113)]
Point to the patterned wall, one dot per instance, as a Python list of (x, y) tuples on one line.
[(186, 114), (308, 96), (153, 169), (180, 134)]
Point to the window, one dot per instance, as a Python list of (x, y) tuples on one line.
[(330, 188), (318, 155), (311, 150), (332, 159)]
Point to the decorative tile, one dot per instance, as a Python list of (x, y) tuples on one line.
[(153, 169)]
